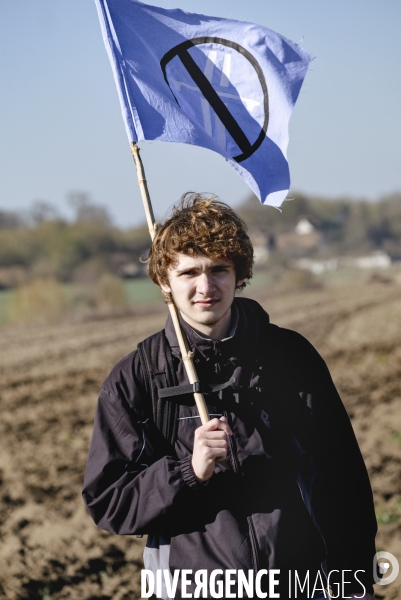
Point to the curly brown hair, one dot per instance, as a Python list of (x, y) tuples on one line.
[(201, 224)]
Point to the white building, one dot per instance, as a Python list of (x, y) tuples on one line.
[(304, 227)]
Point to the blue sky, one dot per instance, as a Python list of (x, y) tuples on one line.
[(61, 128)]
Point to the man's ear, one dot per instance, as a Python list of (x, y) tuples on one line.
[(165, 288), (240, 282)]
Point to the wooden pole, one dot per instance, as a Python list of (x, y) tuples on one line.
[(187, 355)]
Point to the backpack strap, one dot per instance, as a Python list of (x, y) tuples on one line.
[(158, 371), (197, 387)]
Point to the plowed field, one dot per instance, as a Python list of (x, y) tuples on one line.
[(50, 377)]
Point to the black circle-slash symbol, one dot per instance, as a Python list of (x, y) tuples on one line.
[(212, 96)]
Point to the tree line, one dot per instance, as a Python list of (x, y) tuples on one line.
[(41, 243), (347, 227)]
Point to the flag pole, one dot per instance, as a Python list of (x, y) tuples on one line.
[(187, 355)]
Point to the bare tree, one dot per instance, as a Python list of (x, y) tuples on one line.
[(86, 211), (42, 211)]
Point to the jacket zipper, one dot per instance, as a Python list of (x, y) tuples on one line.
[(328, 589), (237, 469), (252, 537), (233, 456)]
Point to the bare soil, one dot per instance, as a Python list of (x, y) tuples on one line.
[(50, 378)]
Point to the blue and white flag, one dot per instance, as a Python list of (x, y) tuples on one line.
[(226, 85)]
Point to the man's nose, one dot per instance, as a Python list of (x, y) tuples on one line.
[(205, 283)]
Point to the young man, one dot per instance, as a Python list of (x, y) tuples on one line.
[(275, 480)]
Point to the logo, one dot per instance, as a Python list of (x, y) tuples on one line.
[(213, 76), (385, 568)]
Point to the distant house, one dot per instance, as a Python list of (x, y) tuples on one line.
[(130, 270), (315, 266), (304, 236), (304, 227), (375, 260), (127, 265)]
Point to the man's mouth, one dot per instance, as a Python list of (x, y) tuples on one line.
[(206, 303)]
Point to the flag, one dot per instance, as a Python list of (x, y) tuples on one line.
[(226, 85)]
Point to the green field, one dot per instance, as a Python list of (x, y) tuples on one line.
[(138, 292), (142, 291)]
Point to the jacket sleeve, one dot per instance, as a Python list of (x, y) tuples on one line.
[(131, 486), (342, 497)]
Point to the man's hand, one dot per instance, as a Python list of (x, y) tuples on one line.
[(210, 444)]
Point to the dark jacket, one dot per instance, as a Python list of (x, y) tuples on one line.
[(293, 491)]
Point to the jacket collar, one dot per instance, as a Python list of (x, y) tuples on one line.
[(242, 339)]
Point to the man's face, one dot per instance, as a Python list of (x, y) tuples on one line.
[(203, 290)]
